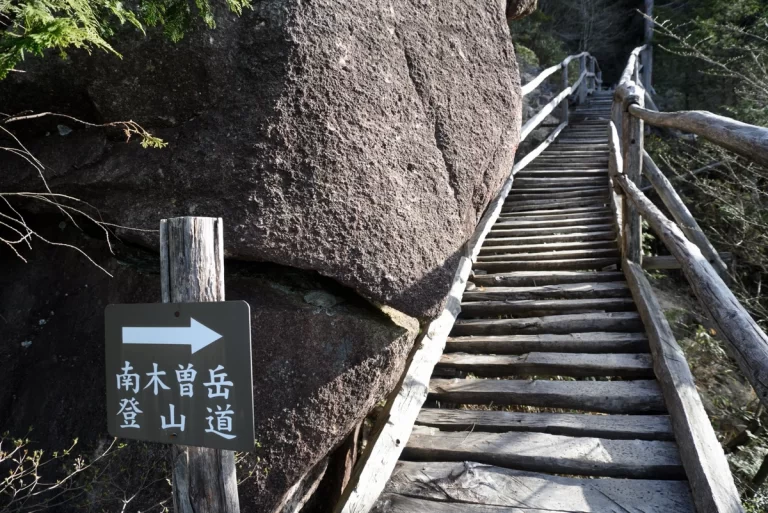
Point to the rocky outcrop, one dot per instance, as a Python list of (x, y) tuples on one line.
[(359, 139), (322, 356), (517, 9)]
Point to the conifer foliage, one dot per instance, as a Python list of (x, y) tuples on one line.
[(30, 27)]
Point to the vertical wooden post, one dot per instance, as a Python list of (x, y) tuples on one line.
[(648, 58), (192, 270), (564, 107), (632, 150), (583, 85), (593, 78)]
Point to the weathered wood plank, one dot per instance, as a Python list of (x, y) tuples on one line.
[(589, 342), (542, 307), (560, 291), (542, 452), (393, 503), (539, 205), (502, 231), (628, 322), (546, 248), (747, 140), (577, 365), (531, 156), (616, 427), (474, 483), (547, 239), (541, 278), (628, 397), (681, 214), (523, 222), (192, 270), (632, 137), (703, 458), (553, 265), (597, 210), (552, 255), (526, 195)]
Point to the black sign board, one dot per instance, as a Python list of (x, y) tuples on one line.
[(181, 373)]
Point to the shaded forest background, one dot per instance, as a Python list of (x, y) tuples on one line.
[(709, 55)]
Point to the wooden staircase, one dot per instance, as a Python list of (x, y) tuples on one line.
[(545, 398)]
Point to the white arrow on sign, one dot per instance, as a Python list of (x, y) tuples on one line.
[(196, 335)]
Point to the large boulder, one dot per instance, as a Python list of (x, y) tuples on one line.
[(358, 138), (323, 357)]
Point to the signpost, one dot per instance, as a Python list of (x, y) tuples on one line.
[(180, 372)]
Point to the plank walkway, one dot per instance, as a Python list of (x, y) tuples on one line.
[(545, 398)]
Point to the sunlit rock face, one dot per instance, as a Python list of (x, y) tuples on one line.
[(361, 139)]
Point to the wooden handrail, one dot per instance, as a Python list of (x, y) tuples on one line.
[(540, 116), (681, 214), (747, 140), (747, 341), (541, 77), (629, 70)]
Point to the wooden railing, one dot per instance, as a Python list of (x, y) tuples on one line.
[(702, 456)]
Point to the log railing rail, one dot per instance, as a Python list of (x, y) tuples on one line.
[(707, 469), (395, 422)]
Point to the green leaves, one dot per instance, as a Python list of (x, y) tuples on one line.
[(34, 26)]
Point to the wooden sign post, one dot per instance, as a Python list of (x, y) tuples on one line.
[(192, 270)]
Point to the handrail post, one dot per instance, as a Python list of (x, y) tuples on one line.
[(583, 86), (591, 70), (632, 139), (564, 108)]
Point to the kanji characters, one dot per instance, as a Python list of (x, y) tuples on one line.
[(218, 382), (223, 422), (155, 379), (126, 380), (186, 377), (172, 423), (129, 408)]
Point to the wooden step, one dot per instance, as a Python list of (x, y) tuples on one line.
[(547, 213), (548, 230), (626, 397), (547, 248), (627, 322), (586, 290), (548, 239), (595, 342), (552, 255), (576, 365), (538, 278), (565, 203), (542, 452), (522, 217), (559, 182), (566, 172), (516, 190), (544, 307), (467, 487), (523, 194), (548, 265), (615, 427)]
